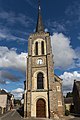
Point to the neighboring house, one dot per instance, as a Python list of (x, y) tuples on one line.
[(6, 101), (76, 96), (68, 103)]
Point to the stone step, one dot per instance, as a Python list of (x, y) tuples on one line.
[(38, 119)]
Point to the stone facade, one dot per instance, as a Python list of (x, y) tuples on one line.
[(40, 67), (52, 92), (76, 96)]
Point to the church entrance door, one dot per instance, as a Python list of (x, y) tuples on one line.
[(41, 108)]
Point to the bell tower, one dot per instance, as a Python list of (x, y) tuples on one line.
[(40, 98)]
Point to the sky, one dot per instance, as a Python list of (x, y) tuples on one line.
[(18, 19)]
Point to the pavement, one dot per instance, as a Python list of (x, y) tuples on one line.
[(70, 117), (14, 115)]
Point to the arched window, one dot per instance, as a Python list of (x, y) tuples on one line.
[(42, 47), (40, 81), (36, 48)]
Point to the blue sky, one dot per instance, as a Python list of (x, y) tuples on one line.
[(18, 20)]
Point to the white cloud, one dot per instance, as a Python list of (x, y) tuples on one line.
[(78, 52), (2, 81), (78, 56), (31, 3), (8, 76), (11, 18), (68, 80), (7, 82), (56, 26), (73, 12), (9, 58), (17, 93), (6, 34), (46, 29), (63, 53)]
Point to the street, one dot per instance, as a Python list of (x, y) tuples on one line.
[(75, 119), (14, 115), (71, 118)]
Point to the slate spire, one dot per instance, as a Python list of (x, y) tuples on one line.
[(39, 27)]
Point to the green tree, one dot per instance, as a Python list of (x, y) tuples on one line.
[(69, 94)]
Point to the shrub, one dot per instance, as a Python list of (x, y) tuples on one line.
[(67, 112)]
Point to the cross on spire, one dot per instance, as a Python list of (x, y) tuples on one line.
[(39, 27), (39, 4)]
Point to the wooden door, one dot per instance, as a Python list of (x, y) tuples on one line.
[(41, 108)]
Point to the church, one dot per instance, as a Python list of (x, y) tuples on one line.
[(43, 96)]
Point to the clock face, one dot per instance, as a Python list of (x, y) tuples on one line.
[(39, 61)]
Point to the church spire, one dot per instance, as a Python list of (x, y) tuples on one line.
[(39, 27)]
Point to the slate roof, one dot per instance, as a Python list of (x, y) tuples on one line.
[(57, 79), (3, 92), (77, 83), (39, 27), (68, 100)]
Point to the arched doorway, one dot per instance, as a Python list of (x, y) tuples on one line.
[(41, 108)]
